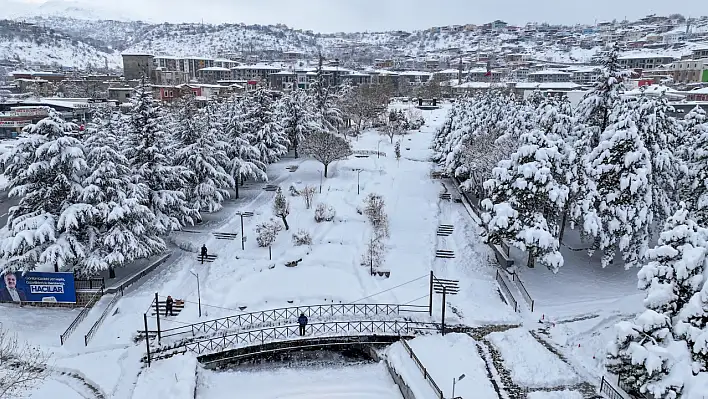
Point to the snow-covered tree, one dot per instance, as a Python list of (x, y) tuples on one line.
[(397, 150), (201, 153), (397, 124), (526, 198), (642, 354), (22, 366), (118, 220), (324, 213), (298, 118), (302, 237), (308, 194), (325, 100), (326, 148), (264, 130), (266, 233), (619, 170), (281, 207), (244, 159), (149, 153), (695, 151), (693, 327), (47, 228)]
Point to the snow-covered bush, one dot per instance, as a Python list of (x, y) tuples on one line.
[(266, 232), (397, 149), (308, 194), (374, 210), (324, 213), (374, 255), (415, 119), (302, 237)]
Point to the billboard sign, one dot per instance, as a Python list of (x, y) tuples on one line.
[(37, 287)]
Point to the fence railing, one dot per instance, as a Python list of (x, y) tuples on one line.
[(507, 292), (81, 316), (522, 289), (89, 284), (282, 315), (98, 322), (609, 390), (436, 388), (284, 333), (137, 277)]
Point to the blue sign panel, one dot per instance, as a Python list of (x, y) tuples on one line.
[(38, 287)]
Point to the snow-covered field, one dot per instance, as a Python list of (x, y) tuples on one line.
[(369, 381)]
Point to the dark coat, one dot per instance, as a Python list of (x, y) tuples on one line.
[(302, 320), (5, 295), (204, 251), (169, 302)]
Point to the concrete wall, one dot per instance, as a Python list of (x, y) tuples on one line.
[(406, 391)]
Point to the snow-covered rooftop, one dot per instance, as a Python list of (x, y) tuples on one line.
[(550, 72), (547, 85), (215, 69)]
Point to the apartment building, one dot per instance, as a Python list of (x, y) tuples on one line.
[(254, 73), (138, 66), (586, 75), (549, 75), (644, 60), (213, 74), (689, 71)]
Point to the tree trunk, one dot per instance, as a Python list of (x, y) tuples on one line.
[(237, 181), (325, 169), (285, 222), (562, 226), (270, 252), (529, 261), (295, 148)]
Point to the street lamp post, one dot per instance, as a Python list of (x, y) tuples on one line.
[(358, 172), (454, 381), (199, 294), (378, 153), (243, 237), (321, 173)]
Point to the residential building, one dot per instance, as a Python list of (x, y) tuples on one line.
[(138, 66), (254, 73), (585, 75), (549, 75), (700, 53), (697, 95), (162, 76), (120, 94), (194, 64), (224, 63), (644, 60), (480, 75), (213, 74), (689, 71), (415, 78)]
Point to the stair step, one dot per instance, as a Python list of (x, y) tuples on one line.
[(444, 253)]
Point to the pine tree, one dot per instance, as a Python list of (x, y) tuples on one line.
[(244, 158), (147, 149), (298, 118), (119, 219), (266, 133), (203, 155), (523, 193), (693, 327), (619, 169), (325, 100), (695, 151), (47, 229)]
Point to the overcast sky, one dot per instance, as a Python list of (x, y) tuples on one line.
[(375, 15)]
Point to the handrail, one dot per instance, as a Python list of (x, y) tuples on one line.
[(91, 283), (263, 335), (291, 313), (426, 375), (98, 322), (609, 390), (524, 292), (505, 288), (81, 316)]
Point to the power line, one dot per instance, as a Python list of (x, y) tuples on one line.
[(400, 285)]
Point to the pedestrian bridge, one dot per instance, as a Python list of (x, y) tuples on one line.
[(289, 315), (249, 343)]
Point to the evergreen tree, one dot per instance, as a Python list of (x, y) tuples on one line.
[(619, 169), (693, 327), (202, 153), (281, 207), (47, 229), (266, 133), (147, 148), (244, 158), (523, 193), (695, 151), (325, 100), (298, 118), (119, 219)]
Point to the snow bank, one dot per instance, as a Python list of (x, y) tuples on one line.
[(531, 365), (555, 395), (401, 362), (172, 378), (370, 381)]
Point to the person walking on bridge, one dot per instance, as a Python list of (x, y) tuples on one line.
[(302, 321)]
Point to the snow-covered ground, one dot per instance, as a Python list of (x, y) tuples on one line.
[(370, 381)]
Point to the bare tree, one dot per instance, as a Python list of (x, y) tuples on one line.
[(364, 103), (308, 193), (21, 366), (281, 207), (374, 210), (326, 148)]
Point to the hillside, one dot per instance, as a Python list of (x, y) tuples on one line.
[(78, 42)]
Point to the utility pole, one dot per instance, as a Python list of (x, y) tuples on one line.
[(444, 293), (430, 304), (157, 314), (147, 337)]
